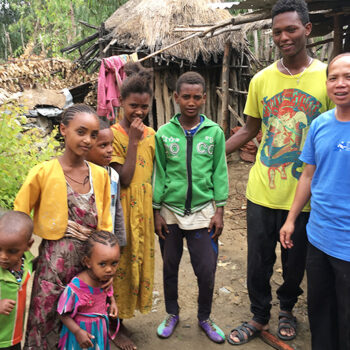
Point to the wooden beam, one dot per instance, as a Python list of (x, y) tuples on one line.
[(112, 42), (321, 42), (80, 43), (338, 36), (100, 41), (88, 25), (234, 91), (347, 40), (225, 76)]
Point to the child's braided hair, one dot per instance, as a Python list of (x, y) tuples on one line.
[(138, 81), (70, 112), (102, 237)]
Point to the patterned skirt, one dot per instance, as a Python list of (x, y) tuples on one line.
[(58, 262)]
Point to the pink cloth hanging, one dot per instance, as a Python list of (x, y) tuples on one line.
[(110, 78)]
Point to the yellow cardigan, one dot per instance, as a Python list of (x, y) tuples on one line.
[(45, 191)]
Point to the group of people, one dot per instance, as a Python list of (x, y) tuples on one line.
[(97, 206)]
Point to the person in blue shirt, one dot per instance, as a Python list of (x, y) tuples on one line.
[(326, 180)]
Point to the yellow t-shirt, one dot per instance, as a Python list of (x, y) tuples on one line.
[(287, 105)]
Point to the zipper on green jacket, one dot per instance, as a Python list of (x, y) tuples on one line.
[(189, 140)]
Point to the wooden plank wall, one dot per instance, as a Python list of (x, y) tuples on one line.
[(239, 78), (164, 99)]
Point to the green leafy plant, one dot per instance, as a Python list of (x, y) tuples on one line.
[(20, 150)]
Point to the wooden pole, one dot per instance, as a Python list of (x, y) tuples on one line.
[(159, 98), (347, 40), (100, 37), (225, 86), (70, 48), (256, 43), (338, 36), (273, 341)]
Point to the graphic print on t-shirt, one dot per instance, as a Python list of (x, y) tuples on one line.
[(287, 117)]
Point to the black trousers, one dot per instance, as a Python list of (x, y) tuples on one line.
[(203, 254), (263, 226), (328, 283)]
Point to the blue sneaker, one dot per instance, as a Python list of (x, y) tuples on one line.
[(213, 332), (167, 327)]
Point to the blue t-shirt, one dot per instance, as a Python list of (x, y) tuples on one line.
[(328, 147)]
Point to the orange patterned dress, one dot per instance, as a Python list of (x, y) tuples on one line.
[(133, 284)]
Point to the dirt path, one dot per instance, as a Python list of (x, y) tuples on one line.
[(231, 303)]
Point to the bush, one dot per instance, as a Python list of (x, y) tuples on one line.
[(20, 150)]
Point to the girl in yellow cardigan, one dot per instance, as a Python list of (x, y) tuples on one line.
[(70, 198)]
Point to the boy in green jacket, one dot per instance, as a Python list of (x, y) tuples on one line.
[(190, 174)]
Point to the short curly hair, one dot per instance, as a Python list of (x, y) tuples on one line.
[(192, 78), (299, 6)]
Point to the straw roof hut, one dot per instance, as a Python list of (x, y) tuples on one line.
[(151, 23), (145, 26)]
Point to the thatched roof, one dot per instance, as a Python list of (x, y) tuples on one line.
[(321, 12), (150, 23)]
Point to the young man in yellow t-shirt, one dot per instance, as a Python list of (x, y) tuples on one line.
[(283, 99)]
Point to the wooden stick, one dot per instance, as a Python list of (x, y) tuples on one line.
[(169, 47), (239, 118), (273, 341), (235, 99), (159, 99), (88, 25), (241, 121), (338, 36), (166, 98), (320, 42), (100, 42), (112, 42), (225, 84), (234, 91), (184, 30), (79, 43)]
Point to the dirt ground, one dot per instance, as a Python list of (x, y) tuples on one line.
[(231, 303)]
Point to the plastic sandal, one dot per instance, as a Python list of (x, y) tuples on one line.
[(245, 329), (286, 321)]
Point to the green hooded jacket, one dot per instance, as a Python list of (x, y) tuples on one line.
[(189, 170)]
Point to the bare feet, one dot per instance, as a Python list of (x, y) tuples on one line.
[(122, 339), (244, 337)]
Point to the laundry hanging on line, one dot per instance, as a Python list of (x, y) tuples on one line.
[(110, 78)]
